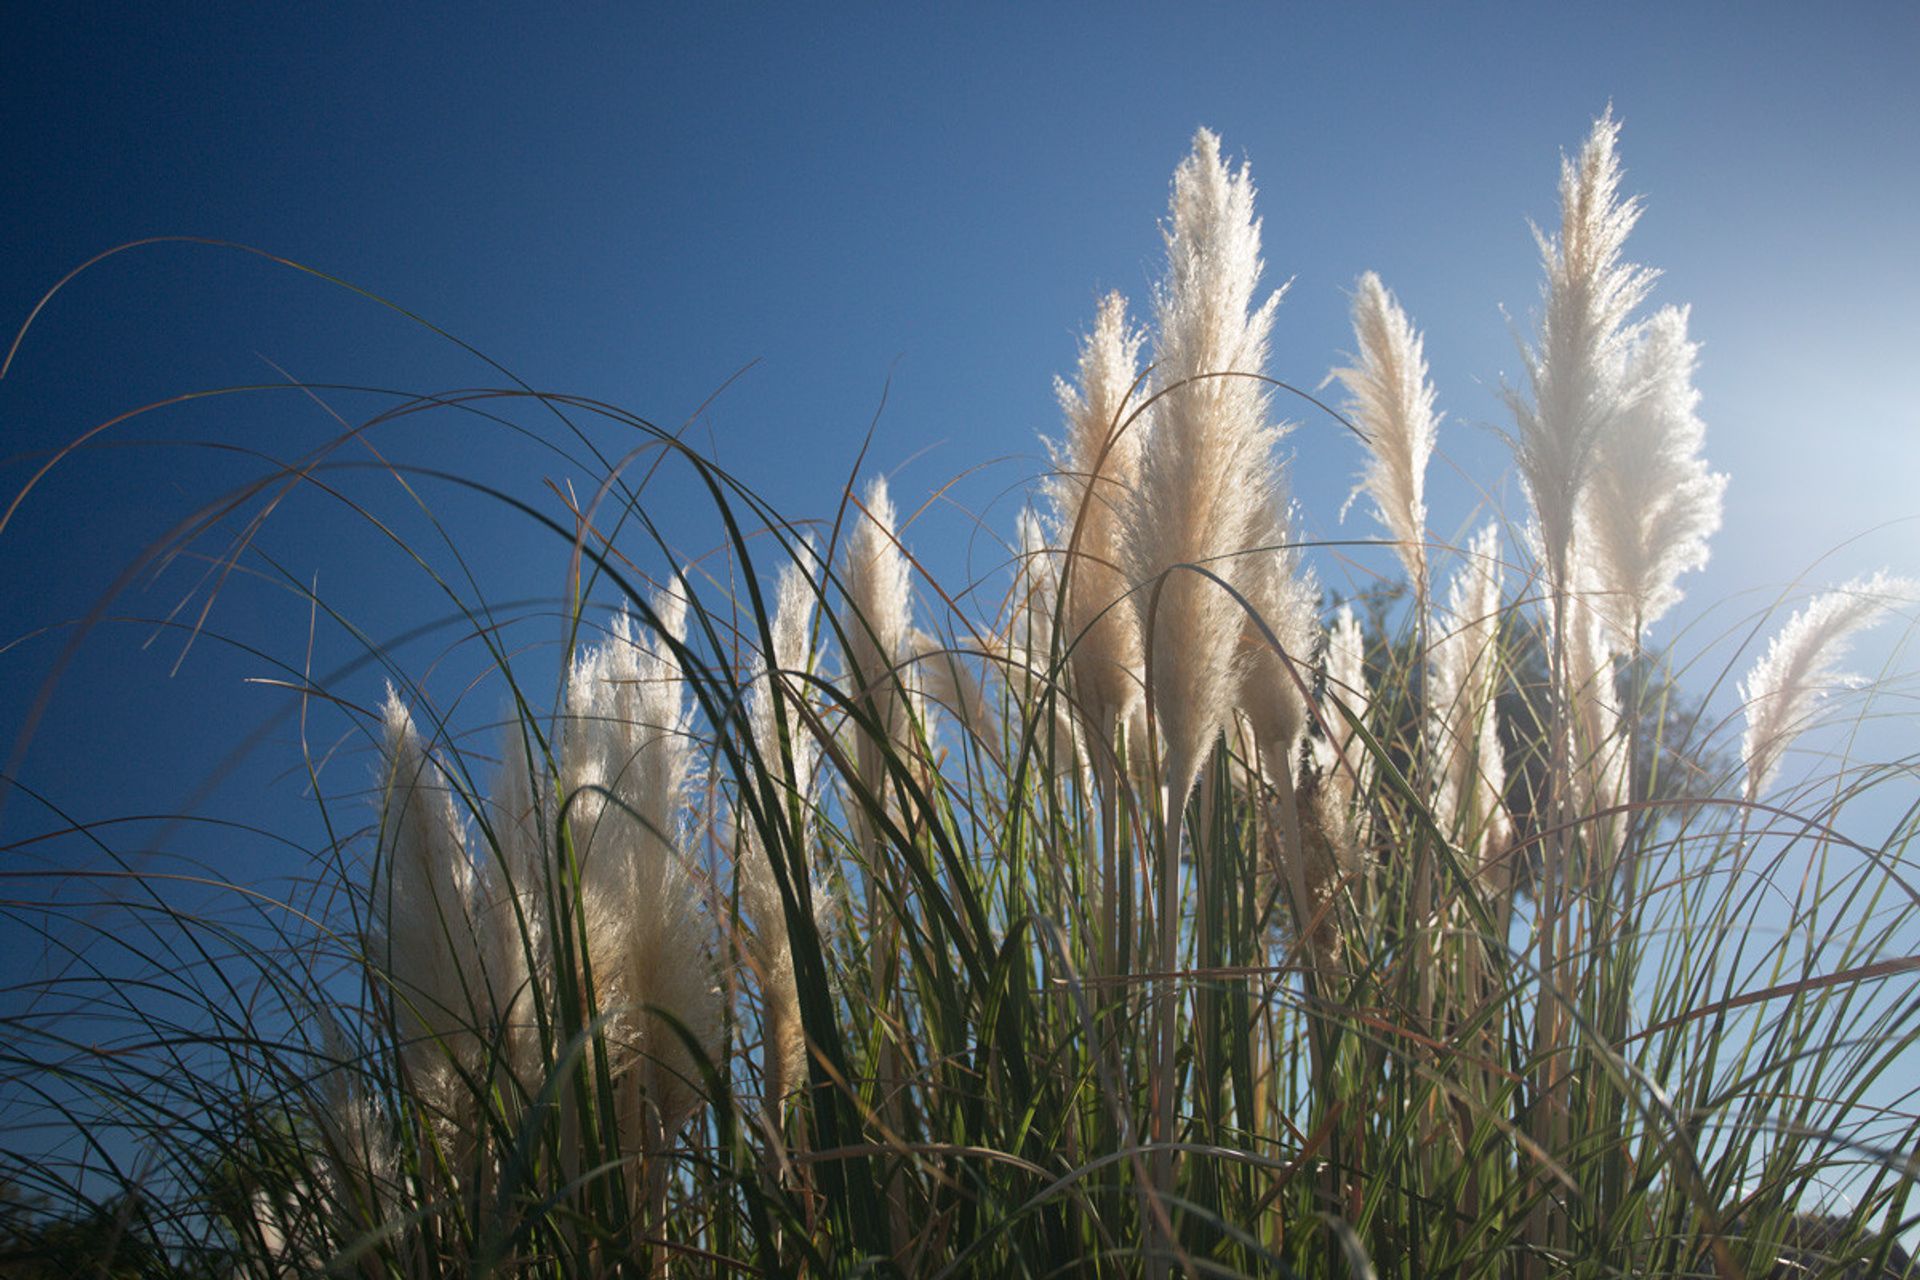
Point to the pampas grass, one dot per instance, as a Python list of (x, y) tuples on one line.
[(1652, 504), (1097, 469), (877, 623), (629, 762), (1205, 495), (1464, 677), (421, 935), (1349, 698), (1577, 370), (1213, 930), (1392, 407), (1800, 668), (788, 752)]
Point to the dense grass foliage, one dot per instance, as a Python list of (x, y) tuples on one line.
[(1139, 909)]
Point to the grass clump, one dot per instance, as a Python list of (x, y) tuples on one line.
[(1165, 918)]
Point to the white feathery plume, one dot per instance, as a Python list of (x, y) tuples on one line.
[(269, 1225), (1342, 767), (671, 968), (585, 764), (1205, 481), (629, 758), (1331, 851), (1463, 674), (1031, 627), (1789, 682), (1285, 596), (768, 942), (513, 911), (279, 1231), (1597, 749), (350, 1182), (592, 757), (1096, 468), (879, 620), (792, 630), (1577, 373), (421, 935), (349, 1192), (1141, 776), (1652, 504), (1392, 405), (1347, 688), (1030, 639), (360, 1171), (945, 679), (879, 598)]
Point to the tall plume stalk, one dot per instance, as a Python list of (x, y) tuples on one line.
[(1579, 377), (1801, 664), (1032, 629), (1030, 647), (878, 628), (1391, 403), (1205, 482), (628, 761), (1096, 470), (945, 677), (1596, 749), (1283, 596)]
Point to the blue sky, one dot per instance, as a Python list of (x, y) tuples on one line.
[(907, 203)]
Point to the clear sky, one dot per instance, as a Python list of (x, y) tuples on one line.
[(921, 203)]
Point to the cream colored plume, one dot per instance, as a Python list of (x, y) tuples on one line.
[(1800, 667), (514, 912), (1652, 504), (421, 934), (878, 624), (1347, 688), (1031, 627), (1577, 374), (1463, 680), (1342, 764), (945, 675), (1286, 597), (361, 1151), (361, 1180), (1096, 469), (1597, 747), (627, 761), (789, 663), (1206, 485), (1391, 402), (1030, 640), (768, 941)]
